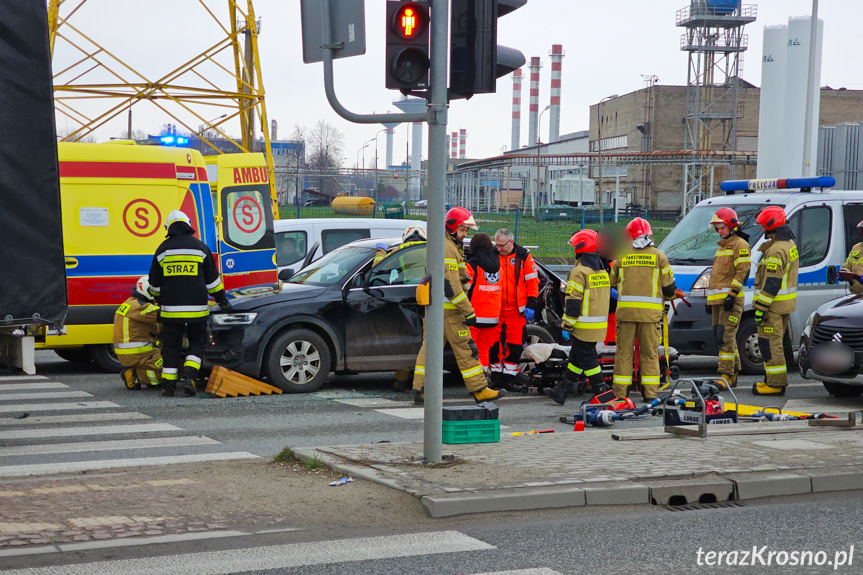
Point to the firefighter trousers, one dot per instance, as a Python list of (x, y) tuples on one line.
[(774, 342), (147, 366), (648, 336), (584, 363), (173, 354), (483, 337), (725, 324), (508, 344), (457, 334)]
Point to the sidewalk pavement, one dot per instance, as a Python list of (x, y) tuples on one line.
[(569, 469)]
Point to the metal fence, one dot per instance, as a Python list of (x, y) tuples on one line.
[(546, 233)]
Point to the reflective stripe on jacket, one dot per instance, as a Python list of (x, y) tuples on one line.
[(136, 327), (588, 293), (731, 266), (644, 280), (776, 277), (520, 278)]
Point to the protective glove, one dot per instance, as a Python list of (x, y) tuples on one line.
[(759, 318), (381, 246), (226, 307), (613, 293), (728, 304), (470, 320), (565, 335), (707, 309), (528, 314)]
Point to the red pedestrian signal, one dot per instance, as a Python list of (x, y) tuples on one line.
[(407, 45)]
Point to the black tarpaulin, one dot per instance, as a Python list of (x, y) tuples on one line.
[(32, 270)]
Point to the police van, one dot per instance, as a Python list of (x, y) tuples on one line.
[(824, 224), (114, 199)]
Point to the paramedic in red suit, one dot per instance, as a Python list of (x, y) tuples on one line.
[(519, 279), (484, 290)]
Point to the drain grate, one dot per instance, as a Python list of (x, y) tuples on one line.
[(695, 506)]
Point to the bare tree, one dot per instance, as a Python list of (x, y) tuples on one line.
[(63, 134), (325, 145)]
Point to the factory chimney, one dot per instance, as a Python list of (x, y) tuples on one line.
[(533, 127), (556, 64), (516, 110)]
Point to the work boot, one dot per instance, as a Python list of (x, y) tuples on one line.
[(761, 388), (560, 391), (419, 396), (599, 388), (488, 394), (129, 379), (167, 392), (190, 387), (725, 381), (401, 386)]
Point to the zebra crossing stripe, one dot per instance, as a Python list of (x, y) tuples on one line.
[(4, 378), (43, 395), (22, 407), (97, 430), (27, 386), (116, 445), (261, 559), (85, 418), (79, 466)]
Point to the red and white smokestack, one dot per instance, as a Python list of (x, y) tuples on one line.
[(453, 150), (556, 65), (535, 67), (274, 131), (462, 143), (516, 110)]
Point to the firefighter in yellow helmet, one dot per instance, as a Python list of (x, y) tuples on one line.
[(775, 299), (725, 291), (643, 278), (136, 338), (458, 315), (854, 265)]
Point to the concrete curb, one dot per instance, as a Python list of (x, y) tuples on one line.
[(707, 488)]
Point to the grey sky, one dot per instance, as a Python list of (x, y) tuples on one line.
[(609, 44)]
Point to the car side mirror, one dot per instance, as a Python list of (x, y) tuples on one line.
[(286, 274)]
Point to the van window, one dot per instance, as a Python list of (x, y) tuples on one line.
[(247, 216), (853, 216), (290, 247), (332, 239), (809, 226), (693, 240), (404, 266)]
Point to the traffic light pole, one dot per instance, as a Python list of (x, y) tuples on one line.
[(436, 116), (434, 335)]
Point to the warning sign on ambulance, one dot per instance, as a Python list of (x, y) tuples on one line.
[(93, 217)]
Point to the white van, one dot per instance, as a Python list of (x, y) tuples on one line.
[(824, 225), (306, 239)]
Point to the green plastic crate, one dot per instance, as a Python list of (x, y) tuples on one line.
[(479, 431)]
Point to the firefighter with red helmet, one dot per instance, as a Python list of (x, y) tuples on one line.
[(585, 317), (643, 278), (854, 265), (730, 271), (775, 299), (519, 279), (458, 314)]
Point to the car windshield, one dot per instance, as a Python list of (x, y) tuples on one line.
[(693, 240), (333, 267)]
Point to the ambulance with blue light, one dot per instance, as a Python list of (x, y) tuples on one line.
[(114, 200), (824, 224)]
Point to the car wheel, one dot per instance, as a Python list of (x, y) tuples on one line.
[(843, 389), (104, 356), (751, 362), (298, 361), (537, 334), (74, 354)]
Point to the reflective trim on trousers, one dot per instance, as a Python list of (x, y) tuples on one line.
[(621, 380), (574, 369), (144, 349), (593, 371), (420, 369), (472, 371), (775, 369)]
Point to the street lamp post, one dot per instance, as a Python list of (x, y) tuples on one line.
[(538, 147), (599, 152), (375, 193), (364, 159)]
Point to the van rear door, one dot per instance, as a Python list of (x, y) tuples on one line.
[(247, 254)]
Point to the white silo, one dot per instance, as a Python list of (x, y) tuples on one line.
[(796, 79), (771, 118)]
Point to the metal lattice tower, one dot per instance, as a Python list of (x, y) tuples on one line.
[(95, 85), (715, 42)]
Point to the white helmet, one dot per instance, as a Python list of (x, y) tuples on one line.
[(177, 216), (143, 286), (414, 233)]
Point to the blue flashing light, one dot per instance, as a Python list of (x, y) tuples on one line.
[(167, 140), (777, 184), (181, 141)]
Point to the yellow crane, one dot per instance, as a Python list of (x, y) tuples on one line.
[(225, 76)]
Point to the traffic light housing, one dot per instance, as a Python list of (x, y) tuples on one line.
[(476, 61), (407, 55)]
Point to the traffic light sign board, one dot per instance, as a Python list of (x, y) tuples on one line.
[(407, 54)]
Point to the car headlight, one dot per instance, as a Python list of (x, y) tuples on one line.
[(703, 281), (807, 328), (234, 318)]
